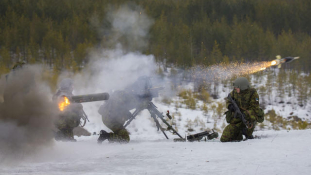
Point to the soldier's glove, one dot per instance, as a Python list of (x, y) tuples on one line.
[(231, 108)]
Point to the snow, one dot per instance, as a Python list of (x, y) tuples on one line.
[(277, 152)]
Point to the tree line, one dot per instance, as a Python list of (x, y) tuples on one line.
[(58, 33)]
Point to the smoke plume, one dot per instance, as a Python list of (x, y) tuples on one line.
[(127, 25), (26, 114), (113, 68)]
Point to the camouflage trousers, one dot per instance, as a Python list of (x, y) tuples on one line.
[(65, 134), (234, 132), (65, 124), (119, 134)]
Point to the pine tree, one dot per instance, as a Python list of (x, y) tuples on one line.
[(216, 55)]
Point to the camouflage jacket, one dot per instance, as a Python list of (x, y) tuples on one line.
[(116, 109), (70, 117), (248, 102)]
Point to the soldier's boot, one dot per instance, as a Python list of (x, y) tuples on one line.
[(103, 136), (251, 137), (58, 135), (250, 133), (70, 139), (68, 135)]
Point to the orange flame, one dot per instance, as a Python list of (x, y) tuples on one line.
[(63, 104), (273, 63)]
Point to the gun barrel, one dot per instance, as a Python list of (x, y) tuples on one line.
[(89, 98)]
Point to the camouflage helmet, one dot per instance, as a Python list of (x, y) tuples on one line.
[(66, 85), (241, 83)]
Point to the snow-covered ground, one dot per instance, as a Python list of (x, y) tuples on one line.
[(278, 152)]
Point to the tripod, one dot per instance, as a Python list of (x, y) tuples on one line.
[(153, 113)]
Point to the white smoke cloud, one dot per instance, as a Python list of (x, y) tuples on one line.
[(127, 24), (110, 71), (26, 114), (131, 22), (114, 70)]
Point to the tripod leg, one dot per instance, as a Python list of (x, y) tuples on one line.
[(171, 127), (152, 109), (135, 113), (157, 122)]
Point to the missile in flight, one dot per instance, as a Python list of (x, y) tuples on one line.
[(279, 61)]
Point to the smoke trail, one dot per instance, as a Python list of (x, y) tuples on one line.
[(26, 114), (224, 71)]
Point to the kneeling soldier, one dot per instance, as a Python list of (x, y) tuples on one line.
[(247, 100)]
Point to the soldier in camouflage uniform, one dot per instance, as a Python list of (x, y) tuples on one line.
[(70, 117), (115, 112), (247, 100)]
